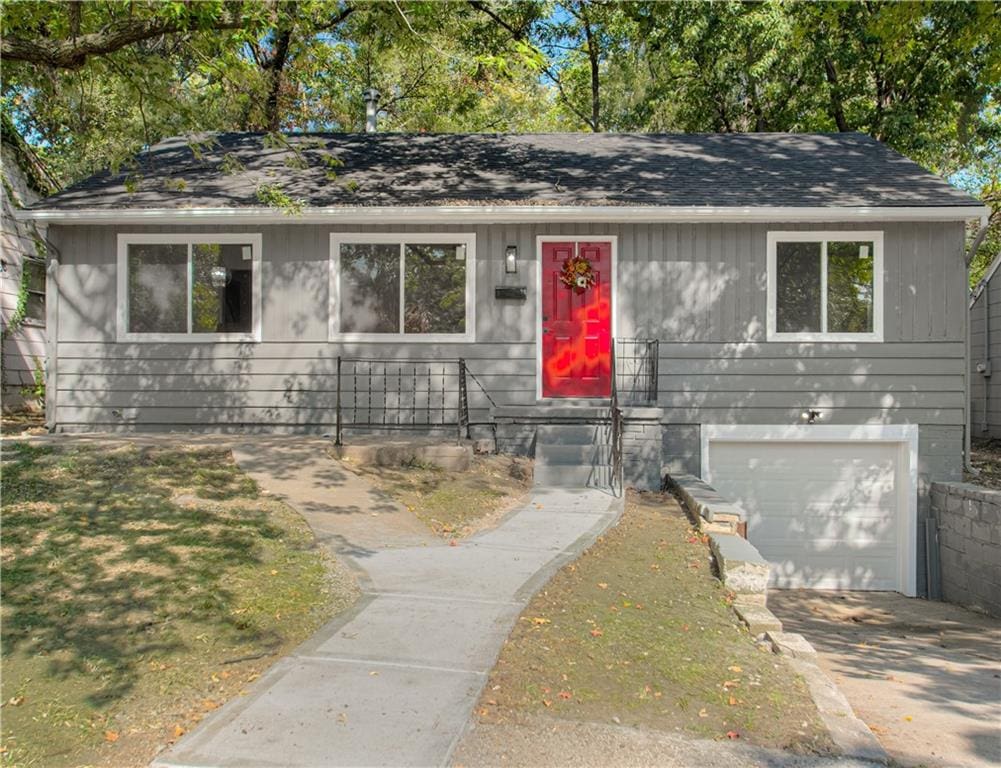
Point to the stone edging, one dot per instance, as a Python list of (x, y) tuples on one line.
[(744, 571)]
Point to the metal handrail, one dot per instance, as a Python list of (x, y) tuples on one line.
[(616, 430)]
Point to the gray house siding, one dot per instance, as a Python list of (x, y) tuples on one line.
[(986, 312), (698, 288), (24, 347)]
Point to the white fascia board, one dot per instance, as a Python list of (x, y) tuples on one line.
[(503, 214)]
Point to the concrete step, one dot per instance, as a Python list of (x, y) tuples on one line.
[(563, 455), (573, 476), (570, 434)]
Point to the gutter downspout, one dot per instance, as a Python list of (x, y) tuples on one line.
[(967, 437)]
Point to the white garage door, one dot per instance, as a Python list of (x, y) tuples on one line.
[(827, 515)]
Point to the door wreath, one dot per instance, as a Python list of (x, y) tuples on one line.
[(577, 274)]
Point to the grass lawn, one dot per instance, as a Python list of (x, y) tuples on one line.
[(141, 588), (456, 504), (639, 632)]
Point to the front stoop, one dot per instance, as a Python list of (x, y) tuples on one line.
[(573, 456)]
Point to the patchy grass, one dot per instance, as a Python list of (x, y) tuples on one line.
[(456, 504), (141, 588), (22, 422), (986, 456), (638, 632)]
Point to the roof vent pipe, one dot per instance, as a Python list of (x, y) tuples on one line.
[(371, 97)]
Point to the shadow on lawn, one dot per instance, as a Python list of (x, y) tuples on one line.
[(112, 559)]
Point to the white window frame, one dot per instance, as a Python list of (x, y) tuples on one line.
[(822, 237), (190, 239), (468, 239)]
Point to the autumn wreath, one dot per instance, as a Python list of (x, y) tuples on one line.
[(577, 273)]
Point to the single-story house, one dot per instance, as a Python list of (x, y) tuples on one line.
[(783, 315)]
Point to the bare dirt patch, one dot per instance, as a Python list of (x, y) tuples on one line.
[(639, 633), (22, 422), (986, 457), (141, 589), (456, 504)]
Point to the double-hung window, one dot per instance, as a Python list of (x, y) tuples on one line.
[(189, 287), (393, 287), (33, 281), (825, 286)]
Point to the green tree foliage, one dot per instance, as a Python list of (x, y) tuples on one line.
[(88, 84)]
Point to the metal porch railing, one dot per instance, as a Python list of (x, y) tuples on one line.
[(635, 370), (415, 394)]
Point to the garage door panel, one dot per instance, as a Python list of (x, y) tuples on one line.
[(824, 514)]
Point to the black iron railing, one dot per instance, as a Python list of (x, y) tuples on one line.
[(616, 430), (636, 370), (415, 394)]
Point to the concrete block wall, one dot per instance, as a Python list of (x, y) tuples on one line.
[(642, 447), (969, 530)]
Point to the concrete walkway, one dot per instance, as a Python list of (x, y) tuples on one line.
[(393, 681), (924, 676)]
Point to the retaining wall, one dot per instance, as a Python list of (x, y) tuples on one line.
[(969, 535)]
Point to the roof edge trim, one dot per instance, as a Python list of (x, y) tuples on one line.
[(505, 214)]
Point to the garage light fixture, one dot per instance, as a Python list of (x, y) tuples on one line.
[(811, 416)]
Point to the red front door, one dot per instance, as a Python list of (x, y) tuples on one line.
[(576, 327)]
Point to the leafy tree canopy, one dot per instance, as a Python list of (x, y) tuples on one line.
[(88, 84)]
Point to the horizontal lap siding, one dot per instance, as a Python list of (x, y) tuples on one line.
[(986, 423)]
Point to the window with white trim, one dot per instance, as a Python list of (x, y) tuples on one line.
[(417, 287), (33, 279), (175, 287), (825, 286)]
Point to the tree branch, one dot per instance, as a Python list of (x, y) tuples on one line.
[(72, 53)]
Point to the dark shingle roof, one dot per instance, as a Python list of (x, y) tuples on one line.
[(387, 169)]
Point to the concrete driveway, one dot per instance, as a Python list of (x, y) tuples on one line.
[(924, 676)]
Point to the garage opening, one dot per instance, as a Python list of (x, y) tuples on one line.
[(830, 507)]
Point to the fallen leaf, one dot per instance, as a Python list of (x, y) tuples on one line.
[(16, 701), (111, 736), (274, 572), (541, 620), (596, 633), (373, 673), (908, 718), (547, 703), (732, 701), (735, 668), (208, 705), (703, 713), (178, 731), (602, 585), (453, 543), (732, 735), (566, 695)]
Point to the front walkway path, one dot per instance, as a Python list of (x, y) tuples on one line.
[(393, 681)]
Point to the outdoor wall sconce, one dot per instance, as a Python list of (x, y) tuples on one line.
[(511, 260), (811, 416)]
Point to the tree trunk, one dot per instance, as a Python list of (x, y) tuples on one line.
[(837, 108), (276, 70), (593, 56)]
